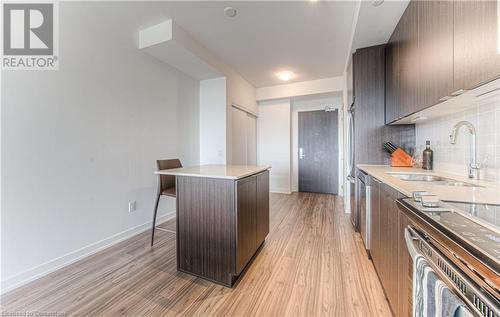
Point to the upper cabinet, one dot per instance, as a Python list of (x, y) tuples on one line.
[(392, 109), (402, 71), (409, 60), (476, 47), (435, 48), (438, 49)]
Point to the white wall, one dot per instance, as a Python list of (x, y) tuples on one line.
[(273, 142), (213, 121), (313, 103), (78, 144), (485, 116)]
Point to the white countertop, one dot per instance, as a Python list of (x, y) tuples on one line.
[(489, 194), (216, 171)]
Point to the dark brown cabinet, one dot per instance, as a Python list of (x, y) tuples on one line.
[(375, 246), (388, 248), (221, 223), (435, 52), (409, 70), (392, 89), (369, 101), (252, 217), (438, 49), (246, 221), (476, 47), (404, 269), (388, 241)]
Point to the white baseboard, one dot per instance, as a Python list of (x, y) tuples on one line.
[(280, 191), (41, 270)]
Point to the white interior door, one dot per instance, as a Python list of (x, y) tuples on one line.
[(243, 137), (251, 140)]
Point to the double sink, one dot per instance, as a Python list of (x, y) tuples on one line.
[(430, 178)]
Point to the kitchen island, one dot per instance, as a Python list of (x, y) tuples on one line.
[(222, 218)]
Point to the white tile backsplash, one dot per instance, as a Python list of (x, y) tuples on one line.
[(485, 116)]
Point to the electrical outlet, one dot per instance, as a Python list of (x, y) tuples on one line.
[(131, 206)]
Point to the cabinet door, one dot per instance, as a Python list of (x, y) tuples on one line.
[(246, 221), (262, 207), (383, 267), (375, 247), (476, 47), (389, 242), (392, 103), (404, 269), (409, 70), (435, 46)]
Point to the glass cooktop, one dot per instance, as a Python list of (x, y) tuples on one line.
[(477, 224)]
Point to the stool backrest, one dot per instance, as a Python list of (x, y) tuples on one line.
[(168, 181)]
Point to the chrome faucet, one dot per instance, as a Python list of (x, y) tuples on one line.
[(474, 166)]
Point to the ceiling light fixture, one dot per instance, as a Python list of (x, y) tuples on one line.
[(285, 75), (230, 12), (376, 3)]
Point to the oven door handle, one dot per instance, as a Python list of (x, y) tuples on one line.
[(410, 237)]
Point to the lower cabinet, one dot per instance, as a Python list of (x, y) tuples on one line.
[(388, 248), (405, 269), (375, 247), (252, 217)]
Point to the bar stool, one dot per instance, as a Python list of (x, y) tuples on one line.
[(166, 186)]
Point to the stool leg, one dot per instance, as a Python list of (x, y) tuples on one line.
[(158, 194)]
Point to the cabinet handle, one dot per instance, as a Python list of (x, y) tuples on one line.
[(458, 92)]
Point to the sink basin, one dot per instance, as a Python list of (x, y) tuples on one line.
[(430, 178), (418, 177)]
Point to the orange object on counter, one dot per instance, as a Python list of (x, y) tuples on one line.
[(400, 158)]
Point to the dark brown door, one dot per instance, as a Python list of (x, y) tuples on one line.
[(318, 152), (375, 247), (404, 268), (435, 47), (409, 71), (476, 58), (392, 92), (246, 221)]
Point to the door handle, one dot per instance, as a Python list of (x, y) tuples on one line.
[(301, 153)]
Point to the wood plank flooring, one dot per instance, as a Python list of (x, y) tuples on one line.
[(312, 264)]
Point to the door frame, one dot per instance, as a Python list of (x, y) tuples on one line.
[(295, 145)]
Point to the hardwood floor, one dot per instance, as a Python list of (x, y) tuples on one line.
[(312, 264)]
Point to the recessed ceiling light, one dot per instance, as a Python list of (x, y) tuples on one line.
[(230, 12), (285, 75), (376, 3)]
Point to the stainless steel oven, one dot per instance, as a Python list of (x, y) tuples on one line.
[(475, 296), (461, 244)]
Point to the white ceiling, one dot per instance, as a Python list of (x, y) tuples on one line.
[(311, 39)]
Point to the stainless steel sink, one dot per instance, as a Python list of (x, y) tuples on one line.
[(430, 178), (418, 177)]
